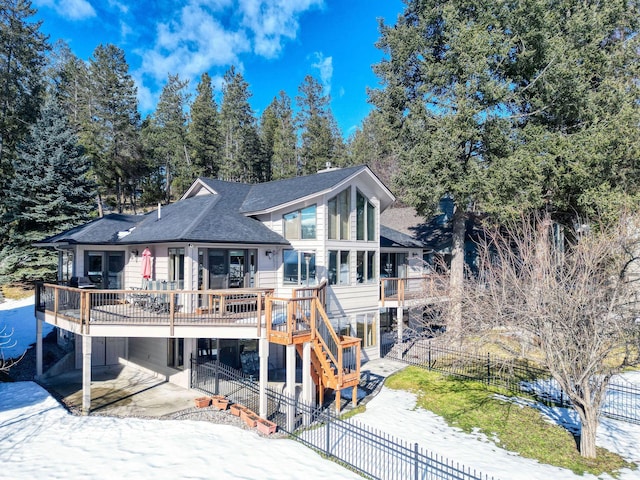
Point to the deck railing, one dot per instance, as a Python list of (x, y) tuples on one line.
[(409, 288), (88, 307)]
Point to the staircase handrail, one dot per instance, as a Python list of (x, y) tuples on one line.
[(333, 345), (316, 291)]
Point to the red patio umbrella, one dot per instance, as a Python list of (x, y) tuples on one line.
[(146, 264)]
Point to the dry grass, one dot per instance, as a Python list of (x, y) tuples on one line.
[(17, 292)]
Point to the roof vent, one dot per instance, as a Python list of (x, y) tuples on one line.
[(328, 168)]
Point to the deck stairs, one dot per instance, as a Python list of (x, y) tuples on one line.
[(335, 359)]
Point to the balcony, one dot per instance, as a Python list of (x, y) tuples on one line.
[(163, 311), (409, 291)]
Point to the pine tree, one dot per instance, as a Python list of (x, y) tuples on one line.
[(278, 136), (373, 144), (22, 59), (242, 158), (169, 144), (284, 162), (70, 83), (321, 139), (204, 130), (513, 107), (49, 193), (112, 136)]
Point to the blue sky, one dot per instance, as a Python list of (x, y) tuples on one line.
[(274, 43)]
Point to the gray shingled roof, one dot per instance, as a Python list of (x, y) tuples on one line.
[(99, 231), (264, 196), (393, 238), (223, 217), (204, 218)]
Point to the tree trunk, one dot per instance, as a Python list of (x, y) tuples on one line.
[(589, 421), (456, 278)]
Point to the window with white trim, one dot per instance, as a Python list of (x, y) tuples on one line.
[(300, 224), (339, 209), (339, 267), (299, 267), (365, 218), (365, 266)]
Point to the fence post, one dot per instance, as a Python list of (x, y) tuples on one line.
[(488, 368), (416, 469), (429, 355), (327, 447)]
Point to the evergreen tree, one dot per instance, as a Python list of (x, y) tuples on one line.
[(22, 60), (575, 77), (321, 139), (242, 158), (112, 136), (284, 162), (507, 107), (278, 136), (373, 144), (169, 138), (49, 193), (204, 130), (70, 83)]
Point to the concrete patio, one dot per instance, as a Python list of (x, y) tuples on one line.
[(122, 391)]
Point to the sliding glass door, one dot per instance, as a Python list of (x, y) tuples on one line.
[(105, 269)]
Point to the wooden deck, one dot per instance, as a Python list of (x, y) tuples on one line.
[(152, 307), (401, 292)]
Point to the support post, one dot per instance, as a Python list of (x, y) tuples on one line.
[(190, 352), (307, 382), (39, 348), (216, 388), (400, 321), (86, 374), (264, 375), (291, 386)]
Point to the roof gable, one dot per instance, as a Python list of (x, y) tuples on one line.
[(264, 197)]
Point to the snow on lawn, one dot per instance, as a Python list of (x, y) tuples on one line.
[(17, 317), (395, 412), (40, 439)]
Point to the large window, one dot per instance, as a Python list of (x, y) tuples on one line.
[(366, 330), (299, 267), (365, 218), (65, 265), (366, 266), (300, 224), (338, 267), (339, 210)]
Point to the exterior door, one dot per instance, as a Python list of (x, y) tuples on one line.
[(105, 269)]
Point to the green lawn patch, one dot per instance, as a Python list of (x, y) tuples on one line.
[(471, 405)]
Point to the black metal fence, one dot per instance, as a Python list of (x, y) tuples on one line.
[(358, 447), (622, 399)]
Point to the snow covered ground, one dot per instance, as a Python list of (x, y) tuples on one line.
[(40, 439), (17, 318)]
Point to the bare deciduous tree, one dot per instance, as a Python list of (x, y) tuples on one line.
[(6, 342), (576, 309)]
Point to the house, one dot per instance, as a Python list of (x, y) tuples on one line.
[(247, 274)]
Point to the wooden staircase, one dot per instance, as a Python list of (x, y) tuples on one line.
[(335, 359)]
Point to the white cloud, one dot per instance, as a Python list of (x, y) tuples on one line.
[(325, 67), (216, 33), (273, 21), (69, 9), (122, 7)]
